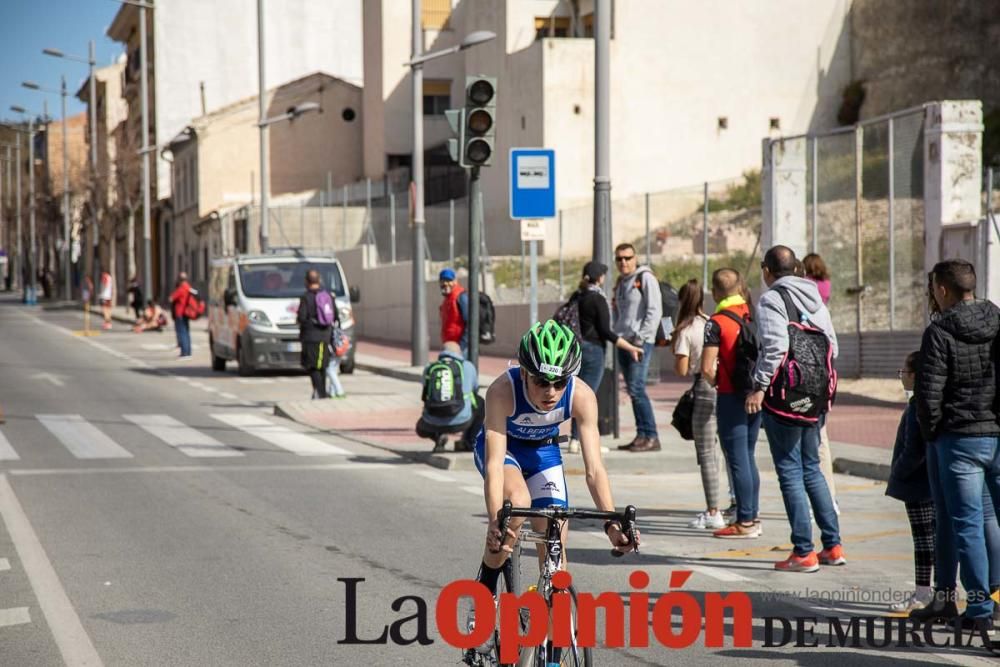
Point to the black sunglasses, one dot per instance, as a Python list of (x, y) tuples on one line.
[(624, 258), (542, 383)]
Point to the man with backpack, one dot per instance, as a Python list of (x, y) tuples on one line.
[(454, 311), (178, 307), (637, 310), (315, 316), (794, 382), (451, 404), (727, 363)]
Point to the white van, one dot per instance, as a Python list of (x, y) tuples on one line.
[(252, 304)]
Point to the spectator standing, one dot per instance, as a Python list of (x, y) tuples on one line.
[(595, 331), (794, 445), (637, 311), (106, 295), (689, 343), (135, 296), (724, 365), (454, 311), (908, 482), (314, 334), (468, 419), (337, 337), (178, 303), (815, 270), (955, 399)]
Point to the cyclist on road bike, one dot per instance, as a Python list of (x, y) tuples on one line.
[(517, 451)]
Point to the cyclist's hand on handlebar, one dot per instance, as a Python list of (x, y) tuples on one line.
[(494, 539), (620, 541)]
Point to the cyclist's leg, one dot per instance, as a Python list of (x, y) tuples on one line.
[(514, 489), (543, 472)]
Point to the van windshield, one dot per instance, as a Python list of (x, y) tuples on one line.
[(286, 280)]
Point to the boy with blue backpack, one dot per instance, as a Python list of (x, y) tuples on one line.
[(451, 404)]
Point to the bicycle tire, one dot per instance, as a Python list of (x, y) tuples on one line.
[(571, 657), (510, 582)]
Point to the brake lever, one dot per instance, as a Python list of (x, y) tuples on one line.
[(503, 520), (628, 527)]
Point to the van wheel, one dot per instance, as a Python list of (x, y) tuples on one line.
[(218, 363), (245, 369)]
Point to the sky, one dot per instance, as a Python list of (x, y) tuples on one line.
[(27, 27)]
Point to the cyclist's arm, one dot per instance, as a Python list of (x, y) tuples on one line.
[(585, 413), (499, 406)]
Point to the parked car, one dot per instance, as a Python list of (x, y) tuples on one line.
[(252, 303)]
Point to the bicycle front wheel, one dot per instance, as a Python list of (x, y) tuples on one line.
[(572, 656)]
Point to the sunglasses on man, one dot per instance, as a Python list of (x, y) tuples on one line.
[(542, 383), (624, 258)]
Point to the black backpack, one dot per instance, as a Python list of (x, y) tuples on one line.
[(443, 394), (741, 374), (487, 320), (568, 314), (803, 387)]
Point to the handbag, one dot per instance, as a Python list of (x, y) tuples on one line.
[(683, 417)]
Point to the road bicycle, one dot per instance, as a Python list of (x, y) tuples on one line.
[(510, 582)]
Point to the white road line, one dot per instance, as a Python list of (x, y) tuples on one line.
[(4, 564), (14, 616), (82, 438), (301, 444), (7, 452), (29, 472), (714, 572), (436, 476), (474, 490), (255, 380), (75, 646), (187, 440), (227, 395)]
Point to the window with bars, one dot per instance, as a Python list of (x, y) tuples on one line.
[(437, 96)]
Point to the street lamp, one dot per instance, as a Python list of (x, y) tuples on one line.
[(15, 265), (418, 299), (91, 62), (31, 85), (30, 295)]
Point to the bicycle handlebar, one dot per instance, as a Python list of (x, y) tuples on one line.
[(626, 518)]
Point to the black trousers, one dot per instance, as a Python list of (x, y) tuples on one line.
[(315, 358)]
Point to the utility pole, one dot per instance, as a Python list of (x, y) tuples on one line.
[(418, 298), (265, 186), (475, 229), (32, 247), (67, 270)]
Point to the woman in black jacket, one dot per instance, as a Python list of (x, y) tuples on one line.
[(595, 330)]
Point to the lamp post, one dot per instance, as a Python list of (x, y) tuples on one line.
[(30, 295), (265, 176), (91, 62), (31, 85), (418, 298)]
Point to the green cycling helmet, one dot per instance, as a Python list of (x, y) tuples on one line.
[(550, 350)]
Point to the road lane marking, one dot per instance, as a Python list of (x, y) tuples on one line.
[(14, 616), (82, 438), (7, 452), (436, 476), (188, 441), (4, 564), (32, 472), (75, 646), (300, 444), (227, 395)]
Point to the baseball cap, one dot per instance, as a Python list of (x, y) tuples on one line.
[(593, 270), (446, 274)]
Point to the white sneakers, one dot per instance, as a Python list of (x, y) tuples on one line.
[(706, 521), (917, 600)]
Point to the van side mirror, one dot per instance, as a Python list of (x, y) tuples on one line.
[(355, 294), (229, 297)]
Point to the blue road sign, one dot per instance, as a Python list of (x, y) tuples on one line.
[(532, 183)]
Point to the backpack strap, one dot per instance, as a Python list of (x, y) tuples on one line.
[(791, 310)]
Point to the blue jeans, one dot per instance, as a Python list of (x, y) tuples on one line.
[(591, 370), (795, 451), (945, 556), (738, 435), (183, 329), (634, 373), (965, 465), (333, 386)]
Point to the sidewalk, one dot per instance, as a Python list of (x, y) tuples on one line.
[(862, 430)]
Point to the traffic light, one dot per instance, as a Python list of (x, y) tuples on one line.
[(456, 121), (479, 121)]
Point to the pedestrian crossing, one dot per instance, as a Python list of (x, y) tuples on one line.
[(93, 440)]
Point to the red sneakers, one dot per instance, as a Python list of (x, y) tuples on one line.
[(736, 531), (832, 556), (795, 563)]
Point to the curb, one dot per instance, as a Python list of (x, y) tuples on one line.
[(409, 373), (866, 469)]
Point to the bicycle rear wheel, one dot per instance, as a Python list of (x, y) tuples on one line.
[(572, 656)]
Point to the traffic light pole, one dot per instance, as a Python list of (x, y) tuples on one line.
[(475, 230)]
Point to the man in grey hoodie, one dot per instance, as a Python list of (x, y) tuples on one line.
[(794, 446), (637, 309)]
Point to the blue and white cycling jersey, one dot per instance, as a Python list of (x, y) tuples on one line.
[(529, 444)]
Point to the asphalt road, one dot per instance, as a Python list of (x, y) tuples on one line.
[(155, 513)]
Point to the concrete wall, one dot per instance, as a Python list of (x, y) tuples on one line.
[(670, 84)]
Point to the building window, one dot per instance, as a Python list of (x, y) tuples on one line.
[(551, 26), (437, 97), (435, 14), (723, 123), (348, 114), (775, 123)]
